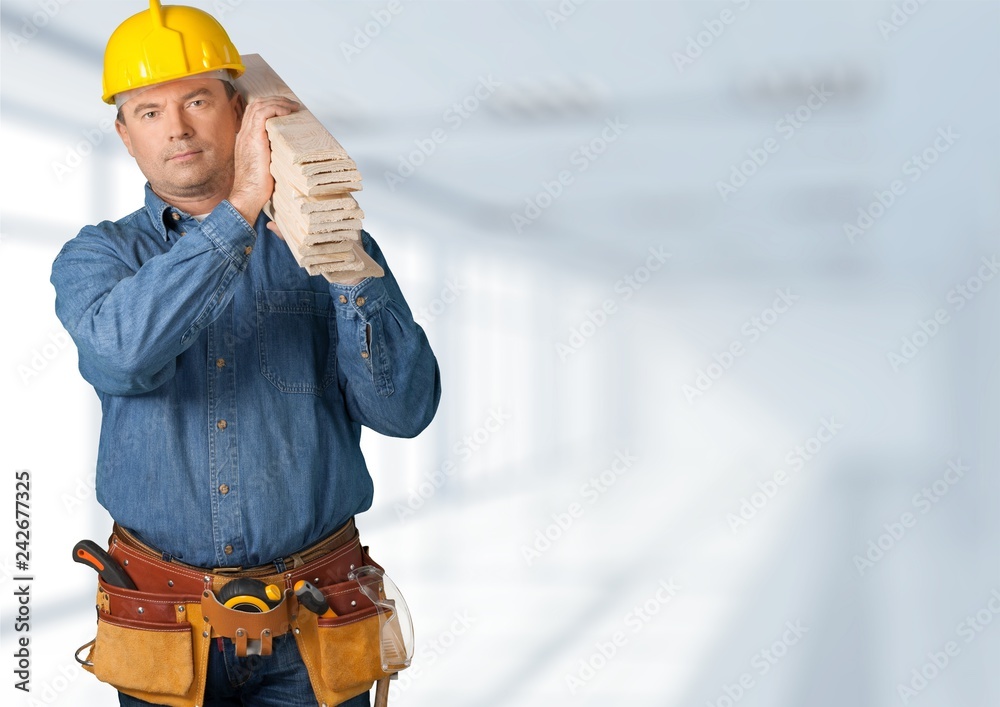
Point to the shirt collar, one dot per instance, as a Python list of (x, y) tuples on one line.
[(162, 214)]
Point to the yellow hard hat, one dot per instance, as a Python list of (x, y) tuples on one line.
[(163, 44)]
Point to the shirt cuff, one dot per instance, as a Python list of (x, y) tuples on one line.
[(362, 300), (230, 232)]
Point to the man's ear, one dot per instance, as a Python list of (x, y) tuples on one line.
[(123, 134), (239, 108)]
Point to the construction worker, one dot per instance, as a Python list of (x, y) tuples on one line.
[(233, 385)]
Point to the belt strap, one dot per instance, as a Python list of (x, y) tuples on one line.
[(341, 536)]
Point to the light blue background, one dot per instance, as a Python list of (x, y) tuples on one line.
[(495, 627)]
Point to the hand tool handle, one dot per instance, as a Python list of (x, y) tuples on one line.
[(313, 599), (382, 692), (87, 552)]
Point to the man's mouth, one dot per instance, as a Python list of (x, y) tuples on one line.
[(183, 156)]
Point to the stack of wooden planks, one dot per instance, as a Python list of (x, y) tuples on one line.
[(313, 180)]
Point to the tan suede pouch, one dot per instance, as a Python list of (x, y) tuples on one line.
[(341, 654), (161, 663)]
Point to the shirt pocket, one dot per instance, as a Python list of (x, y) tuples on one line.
[(297, 340)]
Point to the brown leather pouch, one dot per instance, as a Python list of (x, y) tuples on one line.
[(341, 653), (155, 646), (150, 646)]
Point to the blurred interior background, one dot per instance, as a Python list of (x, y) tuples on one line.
[(713, 290)]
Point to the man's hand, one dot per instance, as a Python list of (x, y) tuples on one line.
[(253, 184), (273, 228)]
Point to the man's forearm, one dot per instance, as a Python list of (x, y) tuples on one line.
[(130, 324)]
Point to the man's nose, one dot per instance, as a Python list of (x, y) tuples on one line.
[(179, 127)]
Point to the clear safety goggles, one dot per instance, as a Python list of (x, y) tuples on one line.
[(395, 624)]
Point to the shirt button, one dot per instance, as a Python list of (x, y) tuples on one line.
[(183, 233), (248, 250), (221, 424), (224, 489), (343, 300), (176, 216), (364, 354), (220, 362), (228, 549), (359, 301)]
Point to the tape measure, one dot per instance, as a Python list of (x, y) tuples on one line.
[(248, 594)]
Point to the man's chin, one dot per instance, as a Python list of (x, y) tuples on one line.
[(187, 189)]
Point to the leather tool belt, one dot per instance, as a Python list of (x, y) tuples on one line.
[(153, 642)]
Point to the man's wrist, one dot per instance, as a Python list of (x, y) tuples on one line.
[(248, 206)]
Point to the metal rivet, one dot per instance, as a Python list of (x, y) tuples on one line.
[(170, 582), (180, 608), (298, 631), (352, 567), (207, 579), (353, 603), (239, 632), (205, 634), (266, 632), (126, 563), (316, 581), (141, 610)]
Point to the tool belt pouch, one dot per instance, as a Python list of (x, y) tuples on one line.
[(341, 653), (150, 646), (244, 626)]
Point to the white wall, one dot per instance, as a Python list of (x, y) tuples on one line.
[(668, 517)]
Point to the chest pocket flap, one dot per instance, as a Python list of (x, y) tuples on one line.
[(297, 338)]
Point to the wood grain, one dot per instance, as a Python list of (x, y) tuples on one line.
[(313, 176)]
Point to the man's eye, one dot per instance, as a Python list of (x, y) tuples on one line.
[(197, 102), (150, 114)]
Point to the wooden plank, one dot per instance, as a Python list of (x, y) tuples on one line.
[(362, 264), (308, 168), (313, 175), (332, 183), (310, 240), (300, 136), (307, 183), (307, 204), (324, 248), (303, 223)]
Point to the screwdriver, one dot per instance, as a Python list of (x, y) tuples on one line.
[(313, 599)]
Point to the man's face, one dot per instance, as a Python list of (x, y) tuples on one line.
[(181, 135)]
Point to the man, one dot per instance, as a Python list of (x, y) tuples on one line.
[(233, 385)]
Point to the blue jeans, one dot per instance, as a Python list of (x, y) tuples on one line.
[(277, 680)]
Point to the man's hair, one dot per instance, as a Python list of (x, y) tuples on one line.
[(230, 92)]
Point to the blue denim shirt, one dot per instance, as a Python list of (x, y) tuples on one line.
[(233, 384)]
